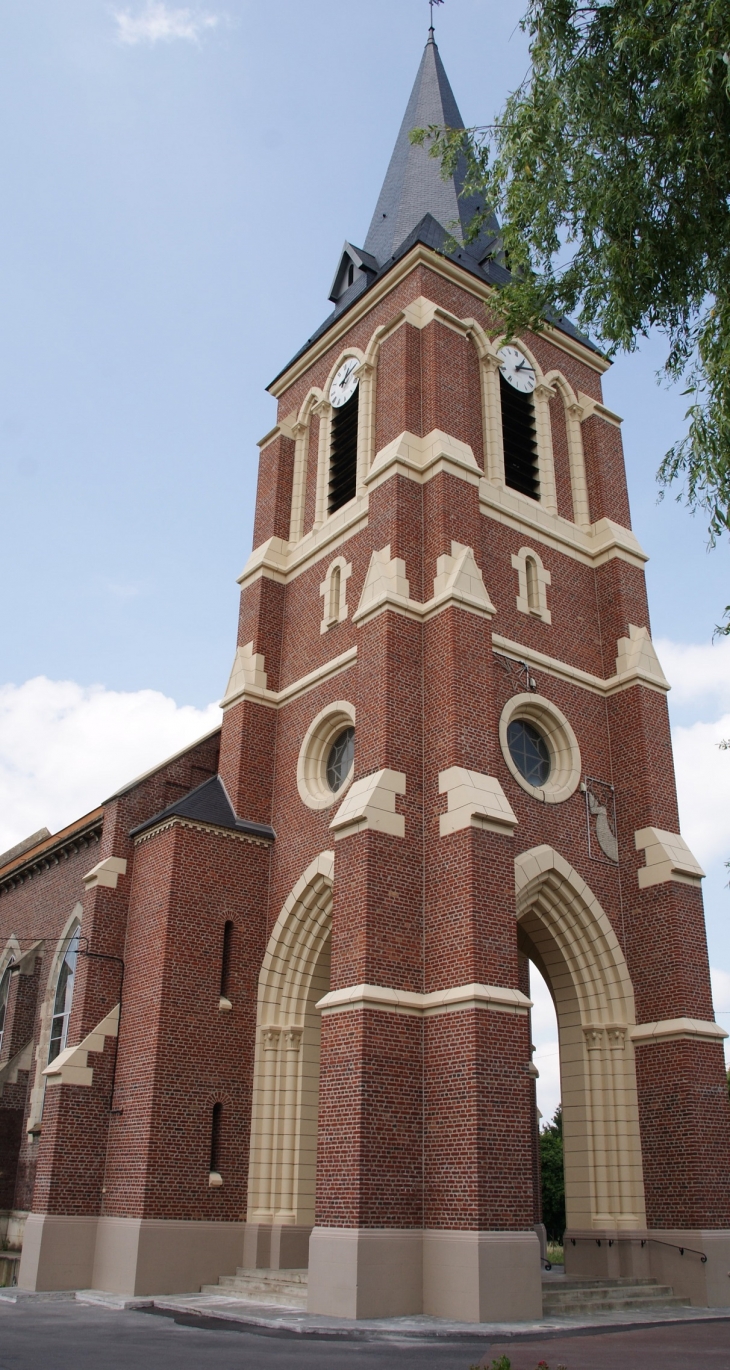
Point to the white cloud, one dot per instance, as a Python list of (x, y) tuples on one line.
[(703, 787), (65, 747), (697, 671), (160, 23)]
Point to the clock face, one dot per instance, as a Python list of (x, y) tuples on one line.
[(517, 370), (345, 383)]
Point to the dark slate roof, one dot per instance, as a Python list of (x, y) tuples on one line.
[(413, 184), (207, 803)]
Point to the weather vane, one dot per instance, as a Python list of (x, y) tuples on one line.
[(432, 3)]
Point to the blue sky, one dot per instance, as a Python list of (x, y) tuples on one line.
[(178, 181)]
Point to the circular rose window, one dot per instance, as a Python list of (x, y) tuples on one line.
[(540, 748), (327, 756)]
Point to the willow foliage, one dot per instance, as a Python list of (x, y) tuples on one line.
[(610, 171)]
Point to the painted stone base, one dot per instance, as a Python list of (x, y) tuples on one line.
[(387, 1272), (482, 1276), (607, 1253), (276, 1246), (127, 1255)]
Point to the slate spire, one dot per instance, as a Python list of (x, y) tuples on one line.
[(413, 185)]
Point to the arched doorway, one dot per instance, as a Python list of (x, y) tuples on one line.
[(565, 932), (282, 1170)]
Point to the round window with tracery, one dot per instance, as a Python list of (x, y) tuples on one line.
[(340, 759), (529, 751)]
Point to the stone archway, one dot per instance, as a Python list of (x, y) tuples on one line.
[(564, 930), (282, 1171)]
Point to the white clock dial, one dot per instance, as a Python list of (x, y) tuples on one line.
[(345, 383), (516, 369)]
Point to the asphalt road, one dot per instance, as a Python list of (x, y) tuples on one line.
[(62, 1335)]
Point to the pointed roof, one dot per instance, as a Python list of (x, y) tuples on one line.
[(207, 803), (413, 185)]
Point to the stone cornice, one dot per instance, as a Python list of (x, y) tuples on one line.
[(677, 1030), (54, 849), (177, 821), (414, 1005), (274, 699), (503, 646)]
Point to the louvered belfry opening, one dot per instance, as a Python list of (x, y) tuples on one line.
[(343, 454), (519, 440)]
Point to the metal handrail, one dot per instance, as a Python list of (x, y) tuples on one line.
[(659, 1241)]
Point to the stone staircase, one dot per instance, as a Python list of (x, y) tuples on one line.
[(563, 1296), (280, 1288)]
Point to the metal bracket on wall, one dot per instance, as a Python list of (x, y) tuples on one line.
[(519, 670)]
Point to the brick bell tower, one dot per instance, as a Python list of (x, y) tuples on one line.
[(445, 754), (446, 703)]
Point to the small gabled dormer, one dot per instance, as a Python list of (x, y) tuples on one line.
[(355, 271)]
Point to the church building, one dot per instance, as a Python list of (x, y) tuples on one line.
[(268, 1006)]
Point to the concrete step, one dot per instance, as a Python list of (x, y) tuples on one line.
[(607, 1296), (280, 1288)]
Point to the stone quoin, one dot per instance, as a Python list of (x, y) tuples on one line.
[(268, 1005)]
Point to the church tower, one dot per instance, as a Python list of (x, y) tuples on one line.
[(284, 1019), (447, 704)]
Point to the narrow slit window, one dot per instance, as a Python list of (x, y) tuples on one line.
[(343, 454), (334, 604), (533, 589), (215, 1139), (519, 440), (226, 959)]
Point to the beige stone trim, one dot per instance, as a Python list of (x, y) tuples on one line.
[(677, 1030), (575, 946), (283, 561), (565, 761), (105, 873), (418, 255), (474, 801), (564, 671), (420, 459), (312, 761), (574, 414), (593, 545), (458, 582), (38, 1090), (71, 1065), (589, 407), (637, 658), (370, 803), (248, 675), (532, 581), (408, 1003), (294, 976), (333, 591), (667, 858), (275, 699)]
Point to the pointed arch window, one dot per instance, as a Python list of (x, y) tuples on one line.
[(344, 396), (4, 991), (63, 999)]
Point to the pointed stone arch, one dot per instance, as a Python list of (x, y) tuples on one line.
[(293, 977), (567, 934)]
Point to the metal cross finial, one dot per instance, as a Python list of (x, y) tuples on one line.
[(432, 3)]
